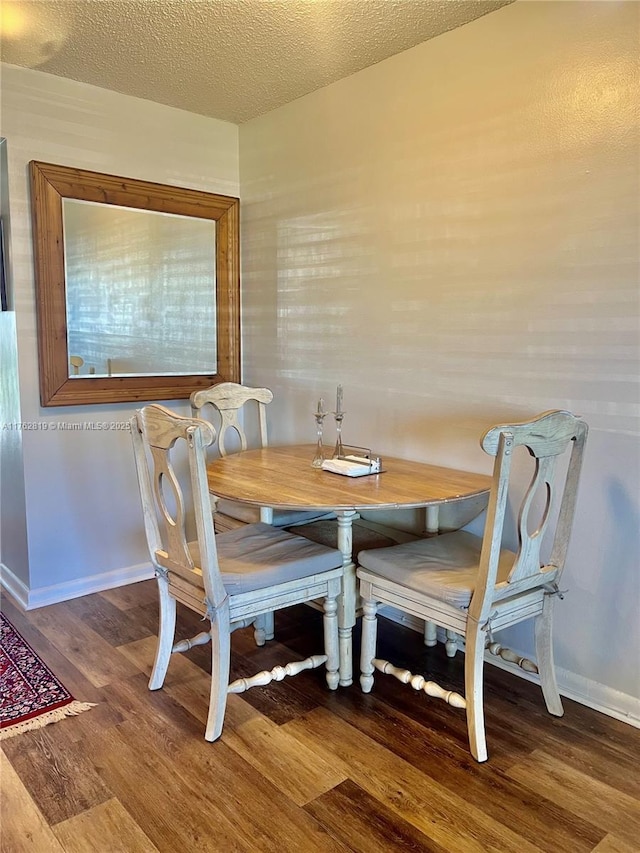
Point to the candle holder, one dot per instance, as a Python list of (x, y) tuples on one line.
[(318, 459), (338, 450)]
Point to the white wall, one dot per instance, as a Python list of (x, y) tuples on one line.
[(82, 505), (453, 235)]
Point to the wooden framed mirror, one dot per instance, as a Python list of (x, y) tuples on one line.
[(137, 287)]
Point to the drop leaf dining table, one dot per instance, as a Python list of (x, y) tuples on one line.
[(281, 477)]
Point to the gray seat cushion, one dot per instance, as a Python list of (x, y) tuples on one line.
[(443, 567), (259, 555), (281, 517)]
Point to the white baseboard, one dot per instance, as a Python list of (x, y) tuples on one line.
[(30, 599), (14, 586), (601, 698)]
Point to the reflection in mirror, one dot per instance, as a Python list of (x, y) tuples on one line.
[(6, 297), (129, 275), (166, 320)]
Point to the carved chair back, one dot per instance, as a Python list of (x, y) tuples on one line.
[(547, 439), (229, 399), (157, 433)]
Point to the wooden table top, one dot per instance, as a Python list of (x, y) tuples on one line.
[(282, 478)]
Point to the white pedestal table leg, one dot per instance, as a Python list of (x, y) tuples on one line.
[(266, 517), (347, 598), (432, 520)]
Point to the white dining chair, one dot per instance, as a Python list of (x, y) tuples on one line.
[(228, 406), (473, 586), (230, 578)]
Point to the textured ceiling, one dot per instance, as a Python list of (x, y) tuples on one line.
[(229, 59)]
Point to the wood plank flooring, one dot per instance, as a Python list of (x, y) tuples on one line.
[(298, 768)]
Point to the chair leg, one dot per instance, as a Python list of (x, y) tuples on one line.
[(331, 644), (544, 654), (259, 630), (368, 648), (269, 625), (451, 643), (430, 634), (166, 634), (473, 684), (220, 661), (263, 628)]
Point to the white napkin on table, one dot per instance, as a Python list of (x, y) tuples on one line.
[(351, 466)]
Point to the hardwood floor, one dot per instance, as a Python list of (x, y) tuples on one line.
[(298, 768)]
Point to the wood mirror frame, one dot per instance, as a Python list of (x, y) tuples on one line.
[(50, 184)]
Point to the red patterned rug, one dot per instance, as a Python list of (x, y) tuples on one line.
[(30, 694)]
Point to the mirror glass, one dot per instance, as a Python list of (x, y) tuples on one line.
[(129, 275), (137, 287), (6, 297)]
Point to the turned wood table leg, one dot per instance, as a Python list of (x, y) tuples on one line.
[(431, 527), (348, 596), (266, 517)]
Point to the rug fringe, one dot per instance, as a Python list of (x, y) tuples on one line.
[(71, 710)]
